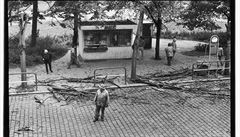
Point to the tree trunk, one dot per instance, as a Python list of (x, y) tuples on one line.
[(34, 23), (75, 33), (22, 46), (136, 45), (74, 58), (227, 49), (157, 54), (227, 58)]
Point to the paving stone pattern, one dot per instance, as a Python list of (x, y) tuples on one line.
[(144, 112)]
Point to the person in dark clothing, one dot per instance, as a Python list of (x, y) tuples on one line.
[(169, 53), (220, 55), (47, 59), (141, 47)]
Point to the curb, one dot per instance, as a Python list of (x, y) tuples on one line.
[(87, 89)]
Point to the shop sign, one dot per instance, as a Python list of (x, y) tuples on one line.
[(110, 27), (213, 46), (106, 27)]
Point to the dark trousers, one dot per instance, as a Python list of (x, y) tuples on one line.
[(169, 60), (174, 51), (97, 112), (220, 60), (48, 64), (140, 49)]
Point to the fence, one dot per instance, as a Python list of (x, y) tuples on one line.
[(125, 73), (26, 80)]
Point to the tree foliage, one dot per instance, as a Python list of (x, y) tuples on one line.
[(67, 9), (203, 14), (161, 12), (15, 8)]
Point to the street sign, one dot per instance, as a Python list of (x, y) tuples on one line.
[(213, 46)]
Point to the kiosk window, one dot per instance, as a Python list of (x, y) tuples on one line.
[(97, 39)]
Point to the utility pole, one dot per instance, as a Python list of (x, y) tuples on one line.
[(22, 46), (136, 45)]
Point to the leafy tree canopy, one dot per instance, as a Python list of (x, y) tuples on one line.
[(203, 14)]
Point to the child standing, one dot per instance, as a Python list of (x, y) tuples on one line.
[(101, 100), (169, 53)]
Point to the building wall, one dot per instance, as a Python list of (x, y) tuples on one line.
[(112, 52)]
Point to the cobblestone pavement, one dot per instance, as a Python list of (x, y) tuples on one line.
[(144, 112)]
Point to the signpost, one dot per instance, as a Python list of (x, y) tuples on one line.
[(213, 46)]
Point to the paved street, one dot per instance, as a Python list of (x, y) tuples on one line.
[(144, 112)]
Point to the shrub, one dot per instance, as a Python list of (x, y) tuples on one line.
[(223, 37), (13, 50), (202, 47), (34, 54)]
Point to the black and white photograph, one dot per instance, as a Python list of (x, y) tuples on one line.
[(155, 68)]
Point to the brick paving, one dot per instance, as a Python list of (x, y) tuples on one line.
[(153, 114)]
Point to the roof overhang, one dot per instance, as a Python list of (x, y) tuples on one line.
[(107, 22)]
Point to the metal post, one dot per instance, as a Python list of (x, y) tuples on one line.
[(94, 78), (125, 76), (209, 58), (36, 81), (192, 71)]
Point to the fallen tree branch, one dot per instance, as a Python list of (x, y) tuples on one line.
[(52, 80), (159, 75), (158, 84), (54, 95), (200, 80)]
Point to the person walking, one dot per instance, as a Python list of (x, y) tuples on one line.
[(220, 55), (101, 101), (174, 45), (47, 59), (169, 53), (141, 48)]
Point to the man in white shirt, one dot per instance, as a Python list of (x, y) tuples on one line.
[(174, 45)]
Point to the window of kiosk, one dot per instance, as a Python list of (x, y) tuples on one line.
[(101, 39), (120, 38), (124, 38), (95, 38), (95, 41)]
